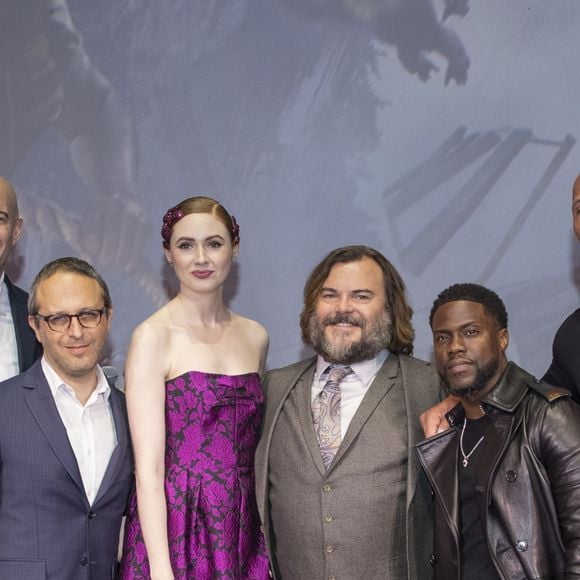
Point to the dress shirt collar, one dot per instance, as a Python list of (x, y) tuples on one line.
[(365, 370), (55, 382), (2, 285)]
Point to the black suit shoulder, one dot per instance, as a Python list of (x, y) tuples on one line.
[(16, 293), (29, 349), (565, 368)]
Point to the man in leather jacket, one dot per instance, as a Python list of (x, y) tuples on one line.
[(506, 475)]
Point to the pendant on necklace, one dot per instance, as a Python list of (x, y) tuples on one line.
[(465, 462)]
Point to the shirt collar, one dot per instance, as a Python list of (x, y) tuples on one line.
[(55, 382), (365, 370)]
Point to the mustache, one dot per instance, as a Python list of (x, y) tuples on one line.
[(343, 319)]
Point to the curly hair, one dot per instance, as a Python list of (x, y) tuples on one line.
[(492, 303)]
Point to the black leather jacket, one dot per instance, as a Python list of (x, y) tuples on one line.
[(527, 482)]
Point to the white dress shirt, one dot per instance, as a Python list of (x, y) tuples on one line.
[(8, 348), (353, 387), (90, 427)]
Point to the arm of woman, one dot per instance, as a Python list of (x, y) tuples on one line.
[(145, 392)]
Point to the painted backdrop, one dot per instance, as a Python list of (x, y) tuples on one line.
[(443, 133)]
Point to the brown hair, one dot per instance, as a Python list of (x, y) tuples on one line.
[(72, 266), (396, 303), (199, 204)]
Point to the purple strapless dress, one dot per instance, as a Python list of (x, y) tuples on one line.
[(212, 429)]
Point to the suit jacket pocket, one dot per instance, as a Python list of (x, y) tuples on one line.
[(21, 569)]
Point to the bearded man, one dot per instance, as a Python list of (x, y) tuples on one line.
[(339, 492), (506, 476)]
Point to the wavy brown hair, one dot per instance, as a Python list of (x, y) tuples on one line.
[(397, 305)]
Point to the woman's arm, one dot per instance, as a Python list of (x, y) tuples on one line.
[(145, 391)]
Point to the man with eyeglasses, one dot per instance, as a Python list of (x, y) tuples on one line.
[(65, 454)]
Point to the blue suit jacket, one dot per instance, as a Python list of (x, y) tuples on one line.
[(29, 349), (48, 530)]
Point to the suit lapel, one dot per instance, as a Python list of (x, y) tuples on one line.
[(28, 348), (376, 392), (439, 456), (19, 311), (275, 399), (119, 455), (42, 406), (304, 398)]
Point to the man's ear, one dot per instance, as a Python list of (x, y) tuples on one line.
[(17, 231), (33, 323), (109, 316), (504, 339)]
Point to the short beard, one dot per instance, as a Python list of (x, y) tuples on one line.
[(482, 377), (375, 336)]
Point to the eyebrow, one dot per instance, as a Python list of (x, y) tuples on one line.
[(190, 239), (462, 327), (356, 291)]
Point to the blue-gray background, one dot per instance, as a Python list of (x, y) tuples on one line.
[(441, 132)]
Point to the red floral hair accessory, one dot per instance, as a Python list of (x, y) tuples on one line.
[(172, 215)]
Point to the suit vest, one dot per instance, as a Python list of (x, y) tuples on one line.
[(350, 521)]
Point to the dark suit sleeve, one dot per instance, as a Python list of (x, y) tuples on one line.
[(565, 368)]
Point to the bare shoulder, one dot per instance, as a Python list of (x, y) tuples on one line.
[(149, 344), (152, 332), (252, 330)]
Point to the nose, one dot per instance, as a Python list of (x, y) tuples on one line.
[(456, 344), (200, 255), (75, 329), (343, 304)]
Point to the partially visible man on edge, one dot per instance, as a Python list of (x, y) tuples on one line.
[(339, 490), (506, 476), (18, 346), (65, 456), (565, 368)]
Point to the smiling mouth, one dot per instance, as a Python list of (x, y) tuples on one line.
[(77, 348)]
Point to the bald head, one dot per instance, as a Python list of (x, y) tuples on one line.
[(8, 197), (576, 206), (10, 221)]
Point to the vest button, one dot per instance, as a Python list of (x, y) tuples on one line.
[(511, 476), (521, 545), (84, 561), (91, 515), (326, 487), (329, 549), (328, 518), (432, 559)]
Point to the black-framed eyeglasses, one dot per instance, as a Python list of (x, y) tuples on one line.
[(62, 322)]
